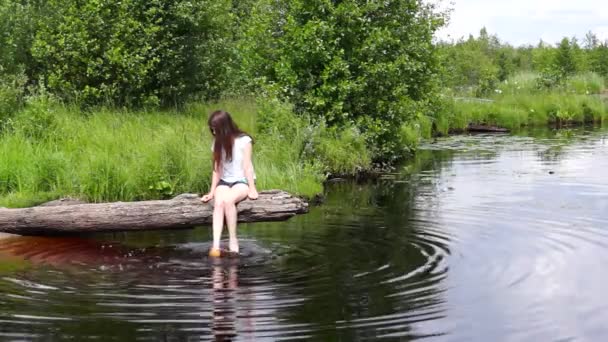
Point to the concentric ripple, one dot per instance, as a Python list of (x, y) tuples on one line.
[(481, 238)]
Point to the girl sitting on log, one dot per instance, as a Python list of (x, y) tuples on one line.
[(233, 177)]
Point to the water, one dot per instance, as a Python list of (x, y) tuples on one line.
[(480, 238)]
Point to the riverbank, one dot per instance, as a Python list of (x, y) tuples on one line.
[(50, 150), (516, 111), (525, 100)]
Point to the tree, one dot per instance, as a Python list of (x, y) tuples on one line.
[(474, 66), (522, 59), (591, 41), (133, 52), (366, 63), (505, 64), (565, 60), (543, 57), (599, 59), (17, 30)]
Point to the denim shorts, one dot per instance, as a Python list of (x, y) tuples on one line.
[(231, 184)]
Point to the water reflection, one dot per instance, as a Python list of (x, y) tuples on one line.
[(65, 251), (224, 279), (82, 286), (472, 240)]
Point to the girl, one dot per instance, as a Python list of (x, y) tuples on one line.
[(233, 177)]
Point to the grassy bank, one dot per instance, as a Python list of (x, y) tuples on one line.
[(49, 150), (523, 100)]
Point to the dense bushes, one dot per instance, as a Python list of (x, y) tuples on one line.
[(133, 52), (338, 86), (348, 63), (479, 66), (345, 65), (11, 96)]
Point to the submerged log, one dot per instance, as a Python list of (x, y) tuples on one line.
[(476, 128), (183, 211), (486, 129)]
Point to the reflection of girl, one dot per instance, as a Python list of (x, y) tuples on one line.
[(233, 176), (225, 284)]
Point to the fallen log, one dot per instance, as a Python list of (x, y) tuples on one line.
[(476, 128), (183, 211), (486, 129)]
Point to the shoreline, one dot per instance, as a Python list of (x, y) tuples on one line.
[(110, 155)]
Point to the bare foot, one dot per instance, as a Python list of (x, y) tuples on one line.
[(234, 246)]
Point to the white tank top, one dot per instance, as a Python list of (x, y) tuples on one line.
[(233, 171)]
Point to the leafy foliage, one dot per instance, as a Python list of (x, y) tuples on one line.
[(346, 63), (484, 65), (133, 52)]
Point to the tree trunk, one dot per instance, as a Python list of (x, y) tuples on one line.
[(183, 211)]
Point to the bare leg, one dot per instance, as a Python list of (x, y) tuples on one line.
[(237, 193), (221, 192)]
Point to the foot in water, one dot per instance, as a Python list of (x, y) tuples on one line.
[(234, 246), (215, 252)]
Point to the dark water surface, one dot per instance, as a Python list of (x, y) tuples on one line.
[(480, 238)]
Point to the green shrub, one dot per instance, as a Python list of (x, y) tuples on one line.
[(11, 96), (341, 152), (133, 52), (347, 63), (37, 119), (585, 84)]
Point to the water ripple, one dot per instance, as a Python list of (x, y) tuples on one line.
[(482, 237)]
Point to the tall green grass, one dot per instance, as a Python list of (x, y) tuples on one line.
[(586, 83), (103, 156), (521, 83), (527, 82), (523, 100), (515, 111), (50, 150)]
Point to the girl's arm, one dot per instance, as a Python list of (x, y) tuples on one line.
[(248, 167), (215, 178)]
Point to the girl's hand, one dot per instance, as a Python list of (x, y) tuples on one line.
[(253, 193), (206, 198)]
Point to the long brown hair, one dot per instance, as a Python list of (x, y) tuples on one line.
[(225, 131)]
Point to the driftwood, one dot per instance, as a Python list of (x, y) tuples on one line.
[(486, 128), (478, 128), (183, 211)]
